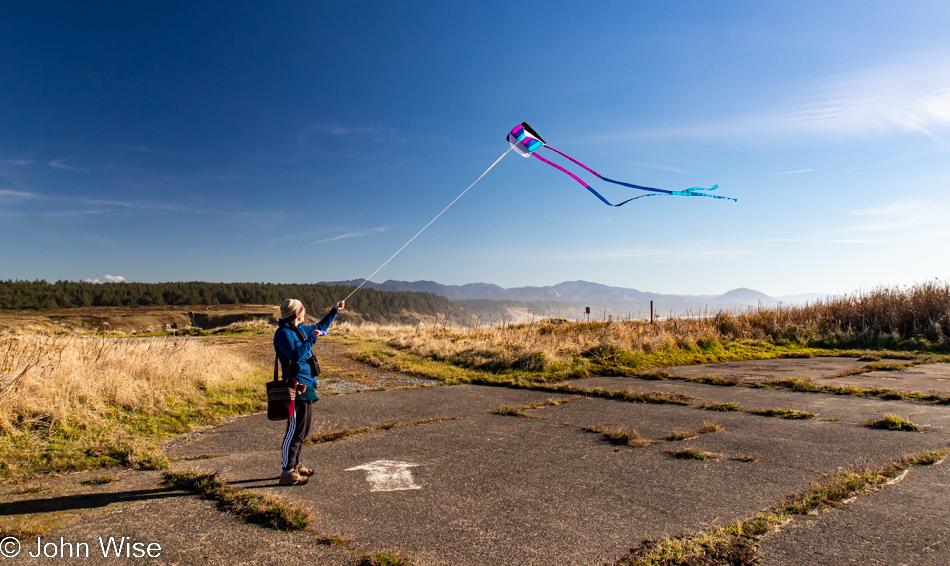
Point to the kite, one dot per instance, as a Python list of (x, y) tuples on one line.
[(526, 141)]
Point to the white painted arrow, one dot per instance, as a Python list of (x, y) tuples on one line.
[(388, 475)]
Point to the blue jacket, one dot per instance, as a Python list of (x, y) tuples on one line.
[(290, 349)]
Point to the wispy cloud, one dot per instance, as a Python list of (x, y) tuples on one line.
[(913, 96), (901, 214), (359, 234), (629, 253), (16, 162), (799, 171), (114, 278), (18, 194), (58, 164), (819, 241), (336, 130)]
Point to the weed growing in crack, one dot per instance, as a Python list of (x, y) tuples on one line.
[(510, 411), (622, 436), (720, 406), (793, 383), (384, 559), (693, 454), (328, 433), (894, 422), (783, 413), (883, 366), (687, 434), (745, 458), (732, 380), (255, 508)]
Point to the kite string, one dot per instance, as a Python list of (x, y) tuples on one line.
[(429, 224)]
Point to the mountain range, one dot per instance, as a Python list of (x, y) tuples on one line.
[(571, 295)]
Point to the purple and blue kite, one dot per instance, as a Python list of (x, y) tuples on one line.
[(526, 141)]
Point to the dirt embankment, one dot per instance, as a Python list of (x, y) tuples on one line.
[(138, 319)]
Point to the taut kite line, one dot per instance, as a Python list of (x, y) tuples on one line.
[(526, 141)]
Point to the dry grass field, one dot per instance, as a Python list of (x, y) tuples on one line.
[(71, 401)]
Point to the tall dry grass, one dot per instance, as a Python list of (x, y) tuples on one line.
[(910, 317), (49, 381), (915, 317)]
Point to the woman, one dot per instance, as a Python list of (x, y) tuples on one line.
[(293, 342)]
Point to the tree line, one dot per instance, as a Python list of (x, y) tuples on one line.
[(375, 305)]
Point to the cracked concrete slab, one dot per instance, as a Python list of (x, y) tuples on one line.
[(513, 490), (753, 371), (926, 378), (488, 488), (848, 408), (904, 523), (187, 530)]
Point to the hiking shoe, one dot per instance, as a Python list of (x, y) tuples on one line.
[(293, 478), (303, 471)]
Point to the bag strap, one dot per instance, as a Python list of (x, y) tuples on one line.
[(276, 367)]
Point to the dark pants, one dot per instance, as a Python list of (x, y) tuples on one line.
[(298, 427)]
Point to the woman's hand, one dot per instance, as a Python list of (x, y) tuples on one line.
[(340, 305)]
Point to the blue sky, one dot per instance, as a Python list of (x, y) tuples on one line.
[(308, 141)]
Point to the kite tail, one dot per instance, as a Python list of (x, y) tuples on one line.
[(602, 178), (578, 179), (691, 193)]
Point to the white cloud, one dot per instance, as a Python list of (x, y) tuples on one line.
[(912, 96), (18, 194), (629, 253), (16, 162), (336, 130), (114, 278), (96, 280), (901, 214), (58, 164), (799, 171), (369, 232), (819, 241)]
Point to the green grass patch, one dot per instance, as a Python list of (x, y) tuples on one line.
[(894, 422), (252, 507), (782, 413), (599, 361)]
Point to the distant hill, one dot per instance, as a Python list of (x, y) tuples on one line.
[(570, 298)]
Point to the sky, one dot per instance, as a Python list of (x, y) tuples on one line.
[(298, 142)]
